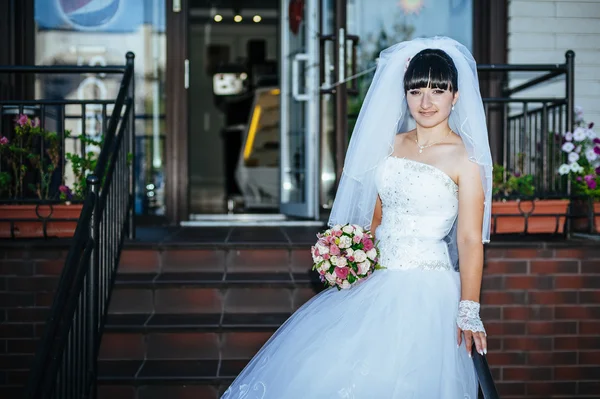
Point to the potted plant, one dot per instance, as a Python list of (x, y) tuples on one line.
[(515, 208), (34, 205), (581, 149)]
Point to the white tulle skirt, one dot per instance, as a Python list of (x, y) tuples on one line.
[(393, 336)]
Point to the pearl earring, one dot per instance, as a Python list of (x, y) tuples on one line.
[(452, 107)]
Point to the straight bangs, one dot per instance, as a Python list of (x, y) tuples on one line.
[(431, 71)]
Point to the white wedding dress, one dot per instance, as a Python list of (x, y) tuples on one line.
[(394, 335)]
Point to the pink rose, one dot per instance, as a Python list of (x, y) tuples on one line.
[(356, 239), (3, 140), (341, 272), (326, 256), (338, 233), (368, 244), (334, 249), (23, 120)]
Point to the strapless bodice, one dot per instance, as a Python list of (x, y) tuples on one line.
[(420, 207)]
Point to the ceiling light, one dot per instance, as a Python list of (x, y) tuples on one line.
[(257, 18), (218, 18), (237, 18)]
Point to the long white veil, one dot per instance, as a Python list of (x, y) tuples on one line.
[(384, 113)]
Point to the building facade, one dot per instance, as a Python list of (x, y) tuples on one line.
[(271, 139)]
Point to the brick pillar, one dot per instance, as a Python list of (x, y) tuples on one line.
[(28, 277)]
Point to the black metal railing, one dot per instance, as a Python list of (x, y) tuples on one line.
[(66, 359), (532, 135), (532, 127)]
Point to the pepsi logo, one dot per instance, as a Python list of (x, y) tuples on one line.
[(89, 14)]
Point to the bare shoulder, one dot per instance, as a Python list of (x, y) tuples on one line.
[(402, 137), (467, 170)]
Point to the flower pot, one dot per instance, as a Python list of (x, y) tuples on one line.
[(511, 216), (581, 221), (27, 221)]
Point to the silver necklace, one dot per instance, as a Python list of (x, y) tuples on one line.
[(422, 147)]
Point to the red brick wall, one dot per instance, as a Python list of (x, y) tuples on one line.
[(541, 309), (28, 277)]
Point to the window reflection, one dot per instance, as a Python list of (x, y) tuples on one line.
[(101, 32)]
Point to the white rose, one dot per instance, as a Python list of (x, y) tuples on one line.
[(573, 157), (323, 249), (591, 155), (360, 255), (372, 253), (568, 147), (337, 227), (564, 169), (358, 228), (579, 134), (330, 278), (348, 229), (349, 252), (345, 285), (345, 242), (363, 267), (334, 260), (317, 259), (341, 262), (325, 266)]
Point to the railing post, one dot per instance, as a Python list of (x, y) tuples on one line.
[(92, 280), (570, 93), (131, 144)]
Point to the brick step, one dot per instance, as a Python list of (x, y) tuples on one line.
[(141, 372), (160, 391), (230, 259), (217, 279), (208, 322), (169, 299)]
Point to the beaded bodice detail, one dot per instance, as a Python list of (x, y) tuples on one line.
[(420, 206)]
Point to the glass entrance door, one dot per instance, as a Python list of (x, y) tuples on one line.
[(299, 102)]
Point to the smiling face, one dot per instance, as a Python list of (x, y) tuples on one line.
[(430, 106), (431, 87)]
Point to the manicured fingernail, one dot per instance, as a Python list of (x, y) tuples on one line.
[(485, 350), (458, 345), (480, 352), (469, 354)]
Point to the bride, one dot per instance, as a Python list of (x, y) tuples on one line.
[(408, 330)]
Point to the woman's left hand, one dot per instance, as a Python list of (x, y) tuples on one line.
[(479, 338), (470, 325)]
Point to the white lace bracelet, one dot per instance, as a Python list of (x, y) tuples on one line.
[(468, 317)]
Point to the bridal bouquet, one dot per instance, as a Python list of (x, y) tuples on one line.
[(345, 255)]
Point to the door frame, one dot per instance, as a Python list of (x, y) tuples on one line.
[(177, 108), (310, 206)]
